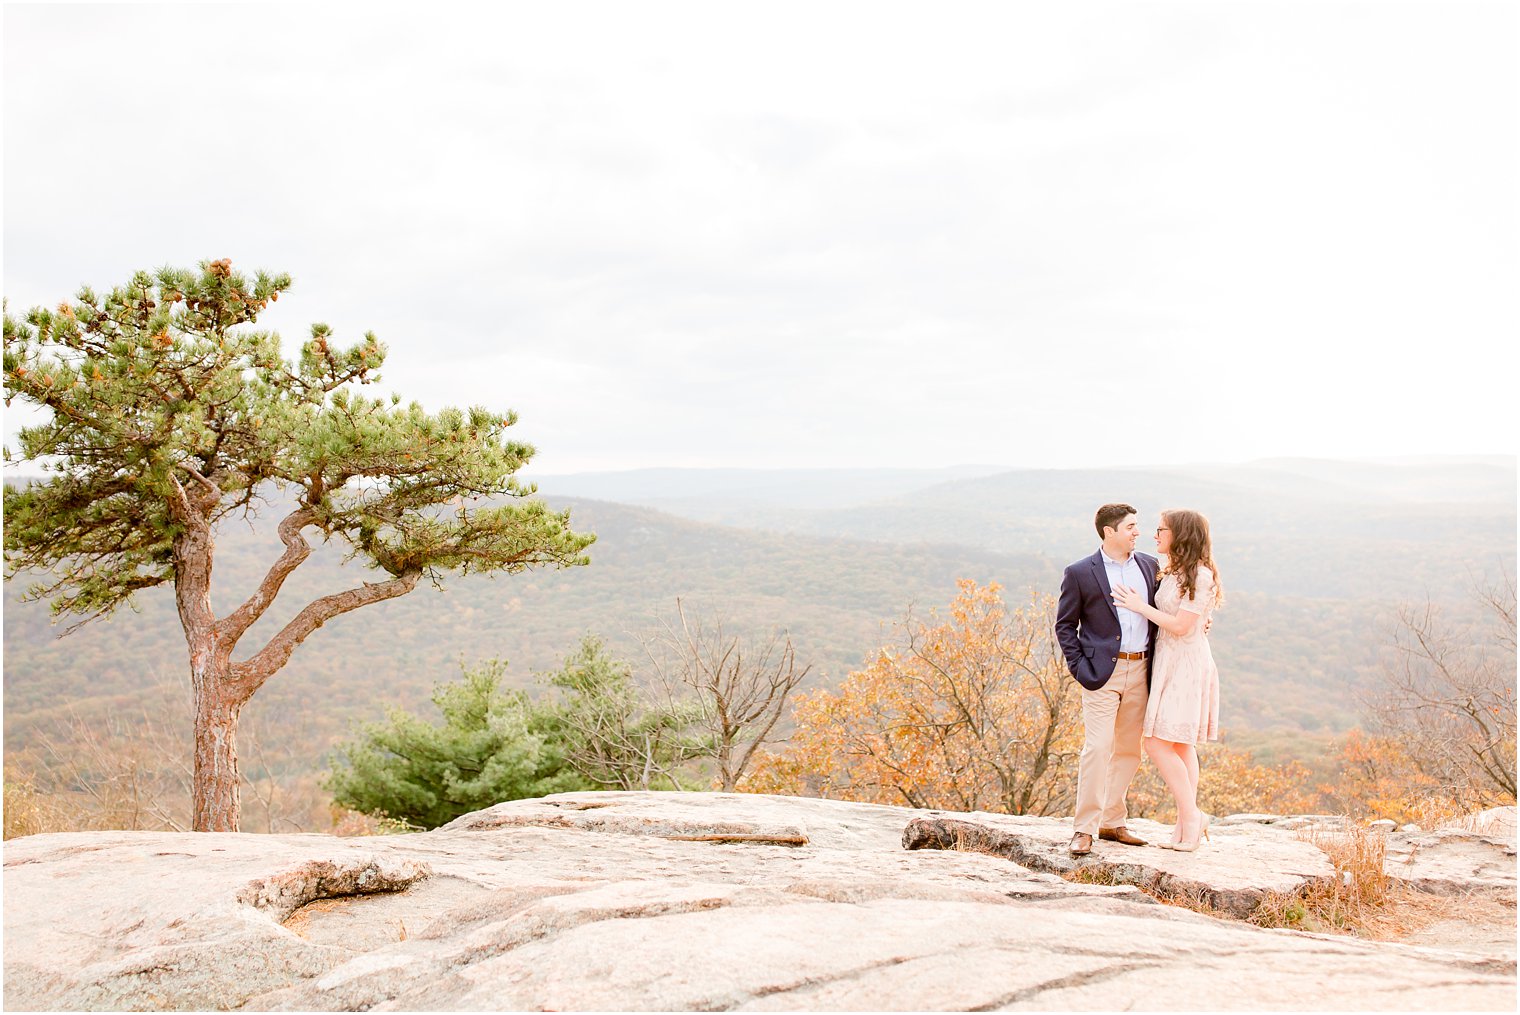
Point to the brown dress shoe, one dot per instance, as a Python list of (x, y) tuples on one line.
[(1081, 844), (1120, 834)]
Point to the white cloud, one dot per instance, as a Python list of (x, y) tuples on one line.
[(836, 234)]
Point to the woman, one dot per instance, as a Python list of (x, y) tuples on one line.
[(1183, 708)]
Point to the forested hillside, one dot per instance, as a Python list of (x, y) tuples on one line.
[(1315, 559), (832, 594)]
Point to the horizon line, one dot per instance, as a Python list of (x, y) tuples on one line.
[(17, 470)]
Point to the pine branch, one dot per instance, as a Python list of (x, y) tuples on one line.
[(232, 627), (249, 675)]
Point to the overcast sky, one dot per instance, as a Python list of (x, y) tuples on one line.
[(823, 234)]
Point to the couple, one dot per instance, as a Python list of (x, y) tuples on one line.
[(1134, 635)]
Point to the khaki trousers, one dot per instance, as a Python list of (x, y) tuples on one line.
[(1113, 716)]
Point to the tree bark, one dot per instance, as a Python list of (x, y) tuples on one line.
[(217, 800), (215, 806)]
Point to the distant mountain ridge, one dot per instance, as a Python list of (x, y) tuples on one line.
[(806, 488), (1351, 529), (1454, 478)]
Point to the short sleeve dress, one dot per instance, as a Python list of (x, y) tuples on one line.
[(1183, 706)]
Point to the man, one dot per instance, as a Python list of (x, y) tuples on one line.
[(1108, 650)]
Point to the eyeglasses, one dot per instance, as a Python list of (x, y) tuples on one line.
[(1162, 529)]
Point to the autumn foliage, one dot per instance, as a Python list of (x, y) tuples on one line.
[(975, 712), (978, 712)]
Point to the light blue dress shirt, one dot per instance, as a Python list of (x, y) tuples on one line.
[(1135, 629)]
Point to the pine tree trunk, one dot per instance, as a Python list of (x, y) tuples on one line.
[(217, 804), (219, 699), (221, 688)]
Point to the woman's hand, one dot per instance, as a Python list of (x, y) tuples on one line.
[(1130, 599)]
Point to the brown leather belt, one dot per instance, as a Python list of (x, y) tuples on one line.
[(1131, 655)]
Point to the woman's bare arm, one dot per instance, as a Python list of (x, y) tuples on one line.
[(1179, 624)]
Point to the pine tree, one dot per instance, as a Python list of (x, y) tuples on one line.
[(492, 745), (615, 734), (167, 413)]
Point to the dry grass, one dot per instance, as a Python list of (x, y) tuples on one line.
[(1361, 901), (28, 812), (1188, 898), (1091, 874), (1359, 898), (1404, 913), (1436, 811), (1483, 822)]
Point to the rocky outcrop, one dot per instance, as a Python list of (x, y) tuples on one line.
[(1498, 822), (643, 901), (1232, 874), (1452, 861), (1248, 856)]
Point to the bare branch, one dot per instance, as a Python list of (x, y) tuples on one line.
[(739, 686), (1449, 699)]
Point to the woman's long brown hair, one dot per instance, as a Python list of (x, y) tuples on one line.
[(1191, 547)]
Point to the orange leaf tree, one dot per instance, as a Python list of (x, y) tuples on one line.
[(977, 712), (1381, 778)]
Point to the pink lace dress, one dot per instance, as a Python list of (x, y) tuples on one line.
[(1184, 698)]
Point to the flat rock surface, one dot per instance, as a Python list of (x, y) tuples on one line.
[(1452, 861), (660, 901)]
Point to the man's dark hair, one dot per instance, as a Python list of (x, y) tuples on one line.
[(1110, 515)]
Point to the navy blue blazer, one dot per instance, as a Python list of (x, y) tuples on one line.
[(1087, 621)]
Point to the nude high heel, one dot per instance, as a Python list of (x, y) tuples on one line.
[(1203, 832)]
